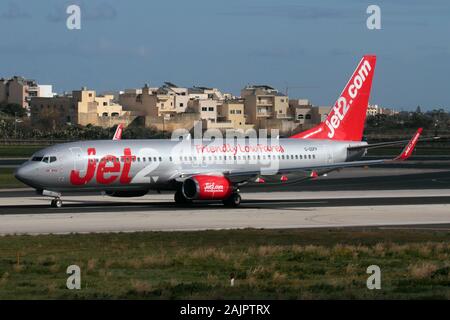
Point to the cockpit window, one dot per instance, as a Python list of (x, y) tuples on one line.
[(36, 159), (52, 159), (46, 160)]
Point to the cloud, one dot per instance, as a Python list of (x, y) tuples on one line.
[(89, 12), (14, 12)]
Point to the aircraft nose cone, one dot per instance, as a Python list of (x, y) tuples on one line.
[(23, 174)]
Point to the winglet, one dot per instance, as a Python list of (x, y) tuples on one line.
[(406, 153), (118, 133)]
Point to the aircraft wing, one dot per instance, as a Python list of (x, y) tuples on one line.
[(390, 143), (313, 170)]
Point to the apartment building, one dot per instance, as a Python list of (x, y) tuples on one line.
[(262, 102), (207, 108), (82, 107), (167, 100), (232, 111), (19, 90), (373, 110)]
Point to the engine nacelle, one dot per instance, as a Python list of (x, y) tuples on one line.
[(204, 187), (127, 194)]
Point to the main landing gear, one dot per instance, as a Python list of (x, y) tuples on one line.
[(234, 200), (180, 198)]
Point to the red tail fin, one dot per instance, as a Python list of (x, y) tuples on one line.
[(118, 133), (346, 118)]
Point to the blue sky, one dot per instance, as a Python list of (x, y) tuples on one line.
[(310, 46)]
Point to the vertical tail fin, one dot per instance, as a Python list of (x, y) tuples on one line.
[(346, 118), (118, 133)]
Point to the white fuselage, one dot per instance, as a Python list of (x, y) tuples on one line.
[(157, 164)]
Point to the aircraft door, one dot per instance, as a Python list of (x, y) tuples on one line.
[(329, 155), (79, 164)]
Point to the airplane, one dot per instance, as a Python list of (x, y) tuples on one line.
[(202, 169)]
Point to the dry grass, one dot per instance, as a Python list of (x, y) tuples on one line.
[(422, 270), (207, 253), (18, 268), (4, 278), (161, 260), (46, 260), (91, 264), (279, 277), (135, 263), (51, 287), (351, 268), (267, 264), (54, 268), (141, 287)]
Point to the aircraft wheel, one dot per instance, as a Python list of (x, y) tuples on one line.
[(56, 203), (180, 198), (233, 201)]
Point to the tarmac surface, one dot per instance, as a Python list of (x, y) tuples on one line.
[(409, 197)]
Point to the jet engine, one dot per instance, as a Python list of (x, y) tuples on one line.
[(204, 187)]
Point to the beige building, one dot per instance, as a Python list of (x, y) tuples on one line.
[(166, 101), (373, 110), (82, 107), (264, 102), (19, 90), (207, 93), (207, 108), (307, 115), (233, 113)]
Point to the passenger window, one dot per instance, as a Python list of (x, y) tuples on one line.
[(160, 159)]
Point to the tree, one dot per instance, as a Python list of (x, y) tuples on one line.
[(13, 109), (418, 110)]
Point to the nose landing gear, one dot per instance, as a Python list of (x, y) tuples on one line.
[(56, 203)]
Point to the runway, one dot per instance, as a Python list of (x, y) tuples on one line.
[(84, 214), (377, 197)]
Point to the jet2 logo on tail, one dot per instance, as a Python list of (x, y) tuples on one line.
[(107, 165), (343, 104)]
